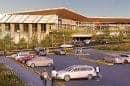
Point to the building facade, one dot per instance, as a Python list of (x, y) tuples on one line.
[(37, 24)]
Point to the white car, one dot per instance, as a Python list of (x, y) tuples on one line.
[(66, 46), (123, 58), (21, 55), (40, 61), (75, 72)]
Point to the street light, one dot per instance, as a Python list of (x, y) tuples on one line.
[(18, 31), (64, 38)]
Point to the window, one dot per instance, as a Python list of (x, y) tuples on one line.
[(26, 28), (76, 70), (88, 69), (7, 27), (17, 27), (34, 26), (43, 27), (124, 55)]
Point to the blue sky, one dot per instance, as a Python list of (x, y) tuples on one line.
[(91, 8)]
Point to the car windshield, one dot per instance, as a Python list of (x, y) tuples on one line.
[(23, 53), (124, 55), (69, 68)]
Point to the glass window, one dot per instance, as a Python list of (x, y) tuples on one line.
[(124, 55), (7, 27), (76, 69), (17, 27), (26, 28), (43, 27), (34, 26), (88, 69)]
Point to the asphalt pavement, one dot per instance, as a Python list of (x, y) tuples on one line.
[(28, 77), (116, 75)]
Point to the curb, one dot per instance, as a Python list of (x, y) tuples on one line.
[(96, 61)]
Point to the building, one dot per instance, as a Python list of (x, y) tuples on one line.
[(39, 23)]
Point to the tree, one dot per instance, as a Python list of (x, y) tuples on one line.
[(22, 44), (7, 42)]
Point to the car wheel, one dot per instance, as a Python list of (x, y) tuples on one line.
[(23, 62), (126, 61), (49, 65), (90, 77), (32, 65), (67, 78)]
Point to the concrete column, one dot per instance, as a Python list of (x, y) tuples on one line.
[(12, 27), (39, 32), (30, 31), (3, 27), (48, 27), (21, 30)]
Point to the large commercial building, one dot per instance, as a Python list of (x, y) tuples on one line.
[(39, 23)]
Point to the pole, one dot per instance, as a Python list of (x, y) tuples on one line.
[(64, 38)]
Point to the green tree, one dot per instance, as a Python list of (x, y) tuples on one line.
[(22, 44), (7, 42)]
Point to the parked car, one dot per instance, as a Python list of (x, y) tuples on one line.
[(79, 44), (25, 59), (75, 72), (40, 51), (123, 58), (66, 46), (40, 61), (21, 55), (59, 51), (2, 53)]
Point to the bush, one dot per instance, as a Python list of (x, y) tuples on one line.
[(9, 78), (119, 47)]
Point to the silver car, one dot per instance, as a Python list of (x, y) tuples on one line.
[(123, 58), (21, 55), (40, 61), (75, 72)]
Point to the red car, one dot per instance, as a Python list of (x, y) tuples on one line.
[(25, 59)]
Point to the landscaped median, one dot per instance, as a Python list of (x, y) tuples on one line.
[(9, 78), (99, 61)]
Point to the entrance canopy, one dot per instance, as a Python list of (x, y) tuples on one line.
[(81, 35)]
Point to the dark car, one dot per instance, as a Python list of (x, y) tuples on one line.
[(79, 44), (41, 51), (59, 51)]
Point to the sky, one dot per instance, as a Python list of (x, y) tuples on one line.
[(91, 8)]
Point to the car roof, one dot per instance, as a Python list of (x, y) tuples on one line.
[(78, 66), (41, 58)]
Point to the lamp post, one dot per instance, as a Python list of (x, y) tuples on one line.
[(18, 31), (64, 38)]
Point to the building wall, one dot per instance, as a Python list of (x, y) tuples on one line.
[(24, 30)]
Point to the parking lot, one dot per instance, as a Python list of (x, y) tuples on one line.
[(114, 75)]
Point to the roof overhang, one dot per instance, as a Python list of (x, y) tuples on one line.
[(109, 20), (61, 12)]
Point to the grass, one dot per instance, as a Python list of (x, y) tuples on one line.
[(119, 47), (9, 78)]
